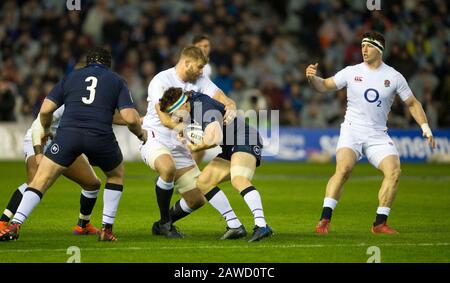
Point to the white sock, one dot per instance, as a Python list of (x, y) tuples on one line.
[(29, 201), (111, 199), (383, 210), (220, 202), (90, 194), (185, 207), (330, 202), (22, 188), (164, 185), (253, 200)]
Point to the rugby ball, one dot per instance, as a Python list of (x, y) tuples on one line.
[(194, 133)]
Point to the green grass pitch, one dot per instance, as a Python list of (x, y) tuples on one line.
[(292, 196)]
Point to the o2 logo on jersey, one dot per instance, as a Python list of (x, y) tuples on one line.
[(54, 149), (372, 95)]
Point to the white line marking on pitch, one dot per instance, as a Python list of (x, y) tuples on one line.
[(225, 247), (355, 178)]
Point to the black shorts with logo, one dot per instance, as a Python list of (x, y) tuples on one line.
[(255, 150), (102, 150)]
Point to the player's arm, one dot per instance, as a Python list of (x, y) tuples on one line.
[(118, 120), (212, 136), (230, 106), (38, 138), (318, 83), (40, 129), (416, 110), (46, 113), (131, 118), (167, 121)]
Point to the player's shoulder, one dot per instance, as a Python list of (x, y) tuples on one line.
[(355, 67), (350, 69), (165, 75), (392, 72), (390, 69)]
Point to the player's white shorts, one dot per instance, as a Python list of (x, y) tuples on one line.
[(156, 146), (28, 145), (374, 144)]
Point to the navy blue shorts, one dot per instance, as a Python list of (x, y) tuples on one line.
[(228, 150), (102, 150)]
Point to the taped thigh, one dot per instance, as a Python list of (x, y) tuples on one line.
[(241, 171), (187, 181)]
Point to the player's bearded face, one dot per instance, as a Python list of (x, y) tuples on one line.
[(194, 70)]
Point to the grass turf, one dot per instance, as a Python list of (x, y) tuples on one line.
[(292, 196)]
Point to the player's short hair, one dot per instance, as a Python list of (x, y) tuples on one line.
[(200, 37), (195, 53), (374, 35), (170, 96), (98, 55)]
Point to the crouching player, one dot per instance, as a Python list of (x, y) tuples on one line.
[(240, 143), (90, 96), (80, 172)]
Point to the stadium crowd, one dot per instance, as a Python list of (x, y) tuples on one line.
[(260, 50)]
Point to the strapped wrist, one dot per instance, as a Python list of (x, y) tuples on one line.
[(426, 129)]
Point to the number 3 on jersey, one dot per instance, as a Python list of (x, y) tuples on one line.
[(91, 89)]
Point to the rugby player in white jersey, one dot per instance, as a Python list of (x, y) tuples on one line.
[(203, 42), (371, 89), (80, 172), (171, 158)]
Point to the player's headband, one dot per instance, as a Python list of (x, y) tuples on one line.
[(375, 43), (183, 98)]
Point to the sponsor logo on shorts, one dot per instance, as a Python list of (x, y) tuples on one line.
[(257, 150), (54, 149)]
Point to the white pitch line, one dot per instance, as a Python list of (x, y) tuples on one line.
[(228, 247), (354, 178)]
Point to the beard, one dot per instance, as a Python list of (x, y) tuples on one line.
[(191, 75)]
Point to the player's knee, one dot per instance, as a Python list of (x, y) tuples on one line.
[(344, 172), (167, 172), (240, 182), (204, 183), (393, 174), (93, 185)]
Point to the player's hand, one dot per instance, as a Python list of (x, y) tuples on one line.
[(311, 70), (192, 147), (46, 137), (181, 138), (426, 133), (143, 136), (38, 158), (230, 113)]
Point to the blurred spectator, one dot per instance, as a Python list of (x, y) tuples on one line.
[(422, 81), (312, 115), (41, 41), (7, 102)]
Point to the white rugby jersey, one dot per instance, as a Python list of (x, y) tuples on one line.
[(207, 71), (160, 83), (370, 93), (55, 122)]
